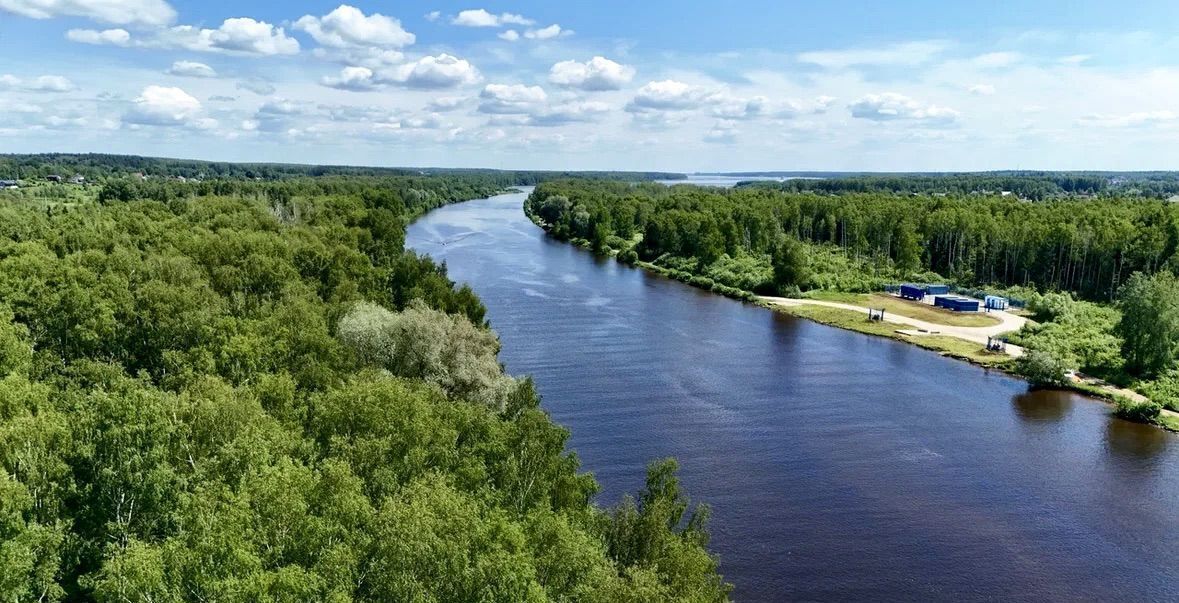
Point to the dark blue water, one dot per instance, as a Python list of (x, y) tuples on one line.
[(838, 466)]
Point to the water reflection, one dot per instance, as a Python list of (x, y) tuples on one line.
[(1043, 405), (1134, 440)]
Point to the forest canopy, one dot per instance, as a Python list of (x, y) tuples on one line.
[(241, 390)]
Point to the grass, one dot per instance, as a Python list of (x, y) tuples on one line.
[(911, 309), (855, 321)]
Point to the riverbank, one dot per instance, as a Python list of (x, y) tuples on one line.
[(808, 441), (952, 346), (949, 340)]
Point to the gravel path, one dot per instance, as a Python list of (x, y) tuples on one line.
[(979, 335)]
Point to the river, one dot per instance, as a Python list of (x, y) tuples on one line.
[(838, 466)]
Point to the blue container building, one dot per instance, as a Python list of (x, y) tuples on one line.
[(937, 289), (913, 292), (994, 302), (956, 303)]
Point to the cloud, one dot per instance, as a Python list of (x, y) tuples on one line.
[(1130, 120), (433, 15), (235, 36), (1075, 59), (981, 90), (443, 104), (277, 115), (191, 69), (567, 113), (356, 79), (546, 33), (596, 74), (347, 27), (428, 73), (433, 73), (118, 12), (891, 106), (997, 60), (906, 54), (670, 95), (511, 99), (510, 35), (44, 83), (721, 134), (479, 17), (257, 86), (161, 106), (750, 108), (111, 37)]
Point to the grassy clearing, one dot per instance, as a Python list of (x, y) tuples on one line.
[(911, 309), (855, 321)]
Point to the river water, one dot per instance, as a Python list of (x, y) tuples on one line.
[(838, 466)]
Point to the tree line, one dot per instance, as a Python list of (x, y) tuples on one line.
[(97, 166), (1032, 185), (1089, 246), (251, 391)]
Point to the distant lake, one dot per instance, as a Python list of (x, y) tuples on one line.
[(838, 466), (715, 180)]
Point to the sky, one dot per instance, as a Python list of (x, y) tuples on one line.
[(688, 86)]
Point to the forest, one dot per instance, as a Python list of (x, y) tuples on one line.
[(1097, 273), (1031, 185), (241, 390), (95, 166)]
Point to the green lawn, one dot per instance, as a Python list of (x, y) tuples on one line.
[(911, 309), (855, 321)]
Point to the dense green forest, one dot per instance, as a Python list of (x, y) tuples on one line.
[(1025, 184), (99, 166), (248, 391), (1097, 272)]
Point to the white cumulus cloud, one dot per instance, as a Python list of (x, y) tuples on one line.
[(44, 83), (237, 36), (670, 95), (479, 17), (347, 26), (545, 33), (117, 12), (509, 99), (434, 72), (596, 74), (356, 79), (981, 89), (163, 106), (112, 37), (191, 69), (510, 35), (891, 106)]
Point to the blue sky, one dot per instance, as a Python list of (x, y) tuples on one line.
[(686, 86)]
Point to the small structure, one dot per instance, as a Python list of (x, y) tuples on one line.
[(9, 184), (913, 292), (78, 179), (956, 303), (995, 344), (994, 302), (937, 289), (53, 178), (875, 315)]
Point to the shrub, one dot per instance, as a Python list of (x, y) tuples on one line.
[(1041, 368), (629, 256), (1139, 412)]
